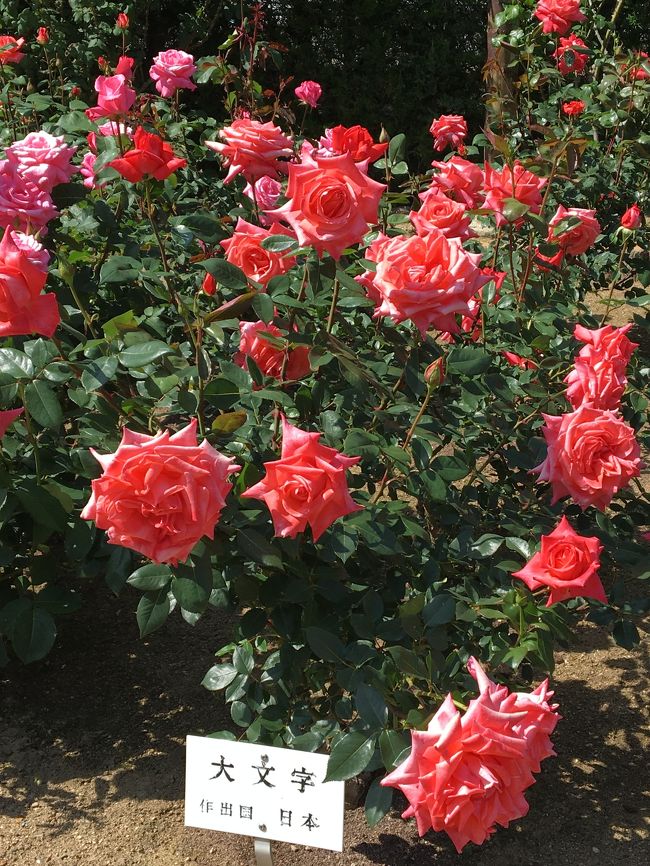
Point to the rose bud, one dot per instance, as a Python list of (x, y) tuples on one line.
[(632, 218), (434, 375), (122, 22), (42, 37)]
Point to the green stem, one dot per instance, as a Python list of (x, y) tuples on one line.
[(31, 435), (335, 300), (614, 283)]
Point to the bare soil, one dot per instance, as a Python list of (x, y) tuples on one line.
[(92, 759)]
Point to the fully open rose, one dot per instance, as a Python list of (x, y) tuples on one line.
[(508, 184), (23, 272), (151, 157), (43, 159), (172, 70), (569, 57), (245, 250), (253, 149), (599, 376), (573, 239), (355, 140), (438, 211), (557, 16), (257, 342), (460, 179), (159, 495)]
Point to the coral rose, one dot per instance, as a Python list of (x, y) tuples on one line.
[(466, 774), (253, 149), (43, 159), (151, 157), (508, 184), (461, 179), (306, 486), (598, 376), (159, 495), (592, 454), (23, 204), (114, 97), (557, 16), (448, 129), (23, 272), (355, 140), (568, 58), (567, 564), (269, 356), (245, 250), (576, 239), (439, 212), (331, 203), (7, 418), (10, 49), (309, 92), (574, 108), (632, 218), (172, 70)]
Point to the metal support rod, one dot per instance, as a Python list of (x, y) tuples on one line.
[(263, 856)]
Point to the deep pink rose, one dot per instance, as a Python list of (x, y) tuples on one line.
[(11, 52), (269, 356), (512, 183), (448, 129), (306, 486), (331, 203), (466, 774), (23, 204), (567, 564), (598, 376), (580, 237), (43, 159), (114, 97), (309, 92), (592, 454), (23, 272), (439, 212), (125, 67), (265, 192), (7, 418), (557, 16), (568, 58), (87, 170), (172, 70), (461, 179), (429, 280), (632, 218), (253, 149), (159, 495), (245, 250)]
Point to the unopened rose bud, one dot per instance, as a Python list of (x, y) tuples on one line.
[(632, 218), (383, 136), (122, 22), (75, 91), (209, 284), (42, 37), (434, 375), (102, 62)]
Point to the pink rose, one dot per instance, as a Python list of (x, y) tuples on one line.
[(309, 92), (159, 495), (592, 454), (466, 774), (23, 204), (331, 203), (23, 273), (43, 159), (439, 212), (598, 376), (172, 70), (461, 179), (253, 149), (512, 183), (472, 323), (306, 486), (125, 67), (557, 16), (265, 192), (114, 97), (567, 564), (448, 129), (568, 58), (10, 49), (87, 170), (245, 250), (632, 218), (580, 237), (7, 418), (269, 356), (429, 280)]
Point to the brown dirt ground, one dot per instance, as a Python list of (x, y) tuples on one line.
[(92, 759)]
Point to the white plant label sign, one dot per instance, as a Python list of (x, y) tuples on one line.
[(262, 791)]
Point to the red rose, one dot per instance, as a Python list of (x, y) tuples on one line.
[(512, 183), (122, 22), (574, 108), (151, 157), (23, 273), (568, 59), (10, 49), (42, 36), (7, 418), (355, 140), (632, 218), (557, 16)]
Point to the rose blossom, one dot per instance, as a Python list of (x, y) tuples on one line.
[(461, 179), (42, 36), (578, 239), (331, 203), (554, 262), (638, 72), (253, 149), (268, 356), (557, 16), (466, 774), (125, 67), (12, 52), (172, 70), (472, 323), (122, 22), (244, 249), (567, 564), (114, 97), (151, 157), (429, 280), (598, 376), (43, 159), (306, 486), (355, 140), (448, 129), (439, 212), (568, 59), (159, 495), (632, 218), (309, 92), (87, 171), (23, 204), (23, 273), (209, 284), (7, 418), (512, 183), (592, 454), (517, 361), (265, 192), (574, 108)]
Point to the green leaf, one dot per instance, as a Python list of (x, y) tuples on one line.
[(219, 676), (243, 658), (205, 226), (263, 306), (15, 365), (379, 799), (371, 707), (120, 269), (439, 611), (258, 548), (513, 209), (192, 586), (486, 545), (221, 393), (395, 747), (626, 634), (279, 243), (325, 645), (468, 361), (33, 634), (43, 405), (229, 422), (225, 273), (350, 756), (450, 468), (152, 611), (150, 578), (98, 372), (141, 354)]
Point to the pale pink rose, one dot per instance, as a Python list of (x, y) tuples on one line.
[(23, 204), (23, 273), (306, 486), (7, 418), (448, 129), (331, 203), (598, 376), (578, 239), (557, 16), (309, 92), (439, 212), (567, 564), (114, 97), (461, 179), (429, 280), (592, 454), (466, 774), (268, 356), (265, 191), (244, 249), (159, 495), (517, 183), (172, 70), (43, 159), (632, 218), (253, 149)]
